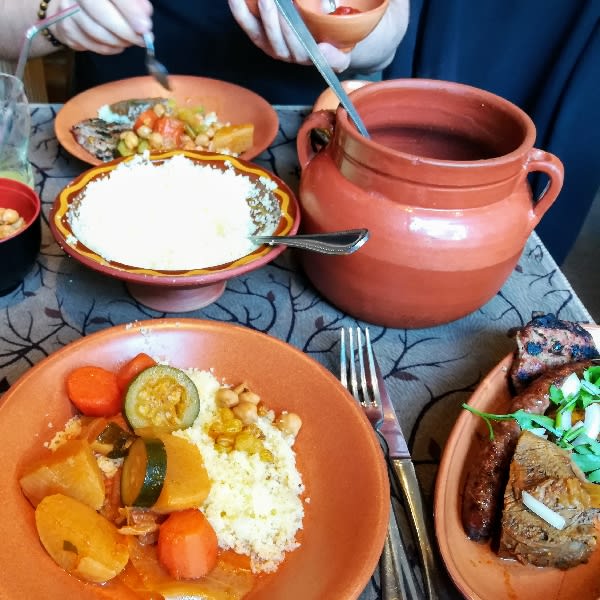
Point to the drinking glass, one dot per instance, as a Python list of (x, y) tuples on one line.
[(15, 130)]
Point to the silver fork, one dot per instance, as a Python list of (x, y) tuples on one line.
[(154, 67), (394, 566)]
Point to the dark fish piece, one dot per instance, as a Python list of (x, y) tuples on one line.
[(549, 475), (547, 342), (98, 137), (134, 107)]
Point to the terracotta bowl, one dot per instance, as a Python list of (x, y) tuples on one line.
[(475, 568), (174, 291), (342, 31), (232, 103), (19, 250), (337, 453)]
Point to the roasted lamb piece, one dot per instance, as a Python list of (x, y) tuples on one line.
[(549, 475), (547, 342)]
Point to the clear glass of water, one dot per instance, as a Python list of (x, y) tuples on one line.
[(15, 130)]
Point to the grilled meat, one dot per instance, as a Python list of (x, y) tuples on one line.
[(546, 342), (98, 137), (134, 107), (482, 496), (549, 475)]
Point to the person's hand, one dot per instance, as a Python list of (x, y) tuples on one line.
[(103, 26), (272, 35)]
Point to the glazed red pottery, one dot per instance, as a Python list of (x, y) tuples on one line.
[(19, 251), (441, 184)]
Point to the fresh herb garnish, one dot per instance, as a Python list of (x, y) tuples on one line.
[(576, 396)]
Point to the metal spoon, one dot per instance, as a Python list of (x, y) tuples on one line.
[(336, 242), (155, 68), (297, 25)]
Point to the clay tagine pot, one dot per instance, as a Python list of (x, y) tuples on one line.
[(441, 184)]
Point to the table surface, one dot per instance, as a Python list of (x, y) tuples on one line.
[(429, 372)]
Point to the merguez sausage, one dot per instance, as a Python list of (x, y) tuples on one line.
[(485, 483)]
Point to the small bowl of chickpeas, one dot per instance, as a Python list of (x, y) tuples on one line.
[(20, 232)]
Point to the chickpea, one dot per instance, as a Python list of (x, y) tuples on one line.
[(226, 397), (131, 140), (9, 216), (6, 230), (155, 140), (289, 423), (210, 132), (249, 396), (159, 110), (202, 140), (246, 412), (144, 131)]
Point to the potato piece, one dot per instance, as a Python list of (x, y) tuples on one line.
[(71, 470), (80, 540), (235, 138), (186, 484)]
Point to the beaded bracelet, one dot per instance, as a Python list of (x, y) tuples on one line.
[(46, 32)]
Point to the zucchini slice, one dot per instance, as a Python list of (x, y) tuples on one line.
[(161, 398), (113, 441), (144, 472)]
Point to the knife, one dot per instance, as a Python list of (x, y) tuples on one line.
[(405, 477), (294, 20)]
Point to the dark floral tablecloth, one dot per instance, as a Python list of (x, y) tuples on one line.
[(429, 372)]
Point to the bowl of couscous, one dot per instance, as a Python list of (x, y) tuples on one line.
[(174, 226)]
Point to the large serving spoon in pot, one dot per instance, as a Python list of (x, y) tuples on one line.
[(290, 14), (336, 242)]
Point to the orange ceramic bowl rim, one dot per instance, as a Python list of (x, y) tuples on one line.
[(339, 493), (61, 229)]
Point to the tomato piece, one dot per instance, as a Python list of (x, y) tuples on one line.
[(345, 10), (148, 118), (171, 130)]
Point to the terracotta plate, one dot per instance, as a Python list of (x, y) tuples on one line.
[(475, 569), (231, 103), (339, 457)]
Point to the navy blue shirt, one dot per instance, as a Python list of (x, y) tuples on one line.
[(201, 37)]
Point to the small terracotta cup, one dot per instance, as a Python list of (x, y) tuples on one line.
[(342, 31), (19, 250)]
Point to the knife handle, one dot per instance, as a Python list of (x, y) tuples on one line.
[(403, 470)]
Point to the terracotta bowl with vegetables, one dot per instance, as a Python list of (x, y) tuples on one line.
[(119, 481), (476, 568), (174, 226), (350, 23)]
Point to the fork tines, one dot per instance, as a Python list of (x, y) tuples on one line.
[(367, 394)]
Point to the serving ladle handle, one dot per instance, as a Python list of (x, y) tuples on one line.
[(336, 242)]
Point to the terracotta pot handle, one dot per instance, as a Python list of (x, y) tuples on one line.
[(547, 163), (321, 119)]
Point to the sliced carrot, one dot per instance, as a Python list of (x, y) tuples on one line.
[(94, 391), (130, 370), (187, 545)]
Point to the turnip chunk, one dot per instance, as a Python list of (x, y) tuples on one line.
[(570, 385), (541, 510), (592, 420)]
